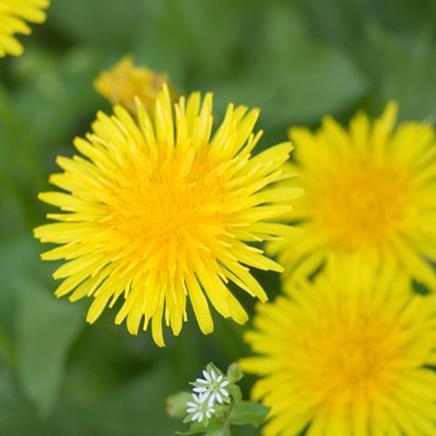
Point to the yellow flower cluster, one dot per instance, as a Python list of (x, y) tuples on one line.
[(160, 210), (348, 350)]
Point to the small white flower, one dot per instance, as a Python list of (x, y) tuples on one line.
[(199, 408), (213, 387)]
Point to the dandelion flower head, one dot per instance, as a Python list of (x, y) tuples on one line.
[(369, 190), (349, 354), (156, 211), (125, 81)]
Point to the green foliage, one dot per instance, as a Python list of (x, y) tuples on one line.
[(298, 60), (286, 82), (248, 413), (46, 329)]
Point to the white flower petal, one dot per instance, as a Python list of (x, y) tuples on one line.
[(224, 383), (200, 389), (204, 396), (198, 398), (219, 398), (206, 376), (219, 378), (211, 400), (200, 380)]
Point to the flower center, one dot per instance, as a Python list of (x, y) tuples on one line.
[(355, 357), (169, 210), (363, 204)]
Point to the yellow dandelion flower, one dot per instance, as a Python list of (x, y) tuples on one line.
[(347, 354), (156, 212), (124, 81), (369, 190), (13, 17)]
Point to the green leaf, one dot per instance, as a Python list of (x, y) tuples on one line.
[(234, 373), (18, 258), (176, 404), (248, 412), (46, 329), (235, 392), (194, 428), (214, 427), (222, 431)]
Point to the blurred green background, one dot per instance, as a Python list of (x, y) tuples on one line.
[(298, 60)]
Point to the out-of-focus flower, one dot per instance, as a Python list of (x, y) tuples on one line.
[(157, 212), (14, 16), (369, 190), (348, 354), (125, 81)]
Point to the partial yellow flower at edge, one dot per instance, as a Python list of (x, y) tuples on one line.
[(125, 81), (13, 17), (157, 211), (348, 354), (369, 190)]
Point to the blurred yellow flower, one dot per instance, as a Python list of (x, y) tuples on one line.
[(156, 212), (370, 190), (124, 81), (13, 17), (347, 354)]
